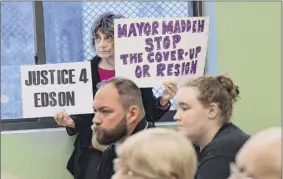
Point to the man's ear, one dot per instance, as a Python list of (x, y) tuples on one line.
[(213, 111), (132, 114)]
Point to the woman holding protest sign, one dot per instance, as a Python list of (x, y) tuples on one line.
[(103, 67)]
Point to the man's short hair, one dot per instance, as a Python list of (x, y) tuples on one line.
[(129, 92)]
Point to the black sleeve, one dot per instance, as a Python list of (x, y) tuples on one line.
[(83, 123), (152, 108), (71, 131), (216, 168)]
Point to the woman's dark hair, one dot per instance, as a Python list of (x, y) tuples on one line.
[(105, 23)]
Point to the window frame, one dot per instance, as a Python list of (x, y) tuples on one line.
[(40, 58)]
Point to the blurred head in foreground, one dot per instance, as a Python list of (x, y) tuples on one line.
[(260, 156), (155, 154)]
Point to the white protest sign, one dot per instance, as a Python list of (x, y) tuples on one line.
[(50, 88), (150, 51)]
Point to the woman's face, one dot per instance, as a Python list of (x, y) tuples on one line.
[(104, 45), (191, 116)]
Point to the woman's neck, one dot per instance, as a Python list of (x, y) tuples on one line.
[(107, 64)]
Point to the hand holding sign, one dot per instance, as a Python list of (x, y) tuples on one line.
[(169, 92), (62, 118)]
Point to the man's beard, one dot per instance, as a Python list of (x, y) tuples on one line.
[(107, 137)]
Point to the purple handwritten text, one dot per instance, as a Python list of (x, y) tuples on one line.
[(142, 71), (133, 58), (194, 52), (165, 56), (178, 69), (164, 41), (137, 29), (180, 26)]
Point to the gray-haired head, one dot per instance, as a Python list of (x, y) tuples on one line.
[(105, 22), (129, 92)]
